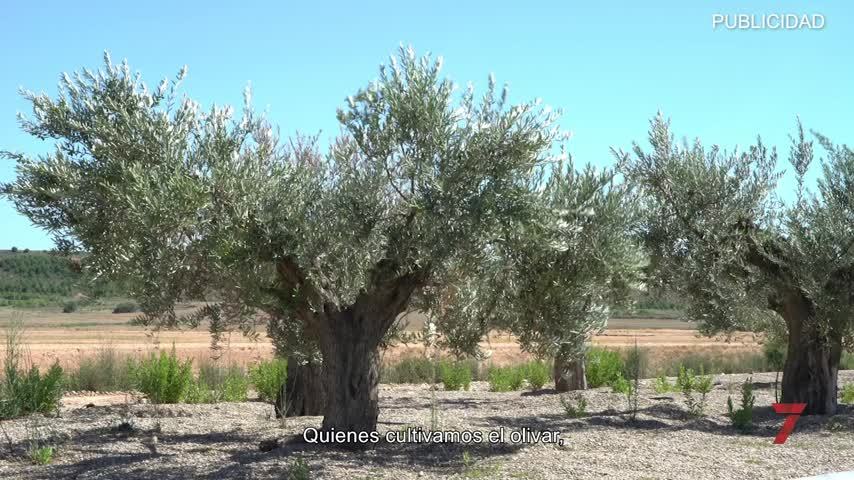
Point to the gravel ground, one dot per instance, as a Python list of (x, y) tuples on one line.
[(222, 441)]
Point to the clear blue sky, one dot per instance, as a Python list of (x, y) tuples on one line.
[(609, 65)]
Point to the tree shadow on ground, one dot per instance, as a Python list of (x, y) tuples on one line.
[(671, 417), (123, 454)]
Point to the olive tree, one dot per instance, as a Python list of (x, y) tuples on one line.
[(744, 259), (184, 204), (552, 283)]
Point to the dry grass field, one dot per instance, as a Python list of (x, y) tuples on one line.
[(68, 337)]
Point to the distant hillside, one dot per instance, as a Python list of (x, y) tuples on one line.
[(37, 279)]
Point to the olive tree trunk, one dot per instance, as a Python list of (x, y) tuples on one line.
[(812, 360), (303, 393), (568, 371), (351, 374)]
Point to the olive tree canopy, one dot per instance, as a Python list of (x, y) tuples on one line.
[(744, 259), (184, 204)]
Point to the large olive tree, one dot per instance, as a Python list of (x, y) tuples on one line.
[(183, 204), (744, 259)]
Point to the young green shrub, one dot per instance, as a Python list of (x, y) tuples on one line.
[(31, 392), (742, 419), (537, 374), (41, 455), (603, 367), (126, 307), (689, 384), (199, 392), (298, 470), (506, 379), (455, 375), (23, 393), (235, 387), (268, 377), (847, 394), (636, 363), (621, 385), (163, 378), (662, 385), (575, 407)]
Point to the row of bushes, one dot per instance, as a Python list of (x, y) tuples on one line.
[(604, 367), (162, 378)]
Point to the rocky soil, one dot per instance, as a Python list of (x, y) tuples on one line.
[(120, 437)]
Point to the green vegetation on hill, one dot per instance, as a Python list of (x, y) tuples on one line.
[(38, 279)]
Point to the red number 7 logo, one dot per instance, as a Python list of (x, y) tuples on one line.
[(792, 411)]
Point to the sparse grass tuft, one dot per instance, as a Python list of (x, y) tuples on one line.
[(847, 394), (298, 470), (575, 406), (41, 455), (107, 371)]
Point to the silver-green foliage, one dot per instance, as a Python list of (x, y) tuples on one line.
[(718, 234), (181, 203)]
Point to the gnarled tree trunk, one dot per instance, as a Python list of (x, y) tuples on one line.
[(569, 373), (812, 360), (303, 393), (351, 373)]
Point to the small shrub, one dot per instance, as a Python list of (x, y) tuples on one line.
[(41, 455), (126, 307), (847, 393), (689, 384), (662, 385), (217, 383), (742, 419), (268, 378), (506, 379), (621, 385), (31, 392), (235, 386), (199, 392), (409, 370), (298, 470), (455, 375), (105, 372), (537, 374), (636, 363), (163, 378), (603, 367), (575, 407), (70, 306)]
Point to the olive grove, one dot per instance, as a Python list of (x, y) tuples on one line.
[(423, 189)]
